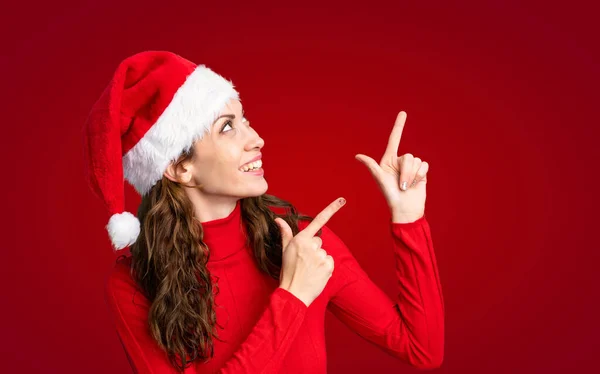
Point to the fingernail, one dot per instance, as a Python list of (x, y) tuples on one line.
[(403, 185), (342, 201)]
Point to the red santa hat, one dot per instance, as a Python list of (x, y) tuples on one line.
[(154, 108)]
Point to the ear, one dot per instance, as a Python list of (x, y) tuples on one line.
[(181, 173)]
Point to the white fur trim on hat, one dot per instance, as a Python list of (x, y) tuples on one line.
[(194, 108), (123, 229)]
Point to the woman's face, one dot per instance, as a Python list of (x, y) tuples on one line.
[(222, 157)]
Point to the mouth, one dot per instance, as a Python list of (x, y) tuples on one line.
[(252, 166)]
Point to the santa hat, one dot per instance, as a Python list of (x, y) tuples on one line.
[(154, 108)]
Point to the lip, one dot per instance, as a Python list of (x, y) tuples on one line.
[(254, 159)]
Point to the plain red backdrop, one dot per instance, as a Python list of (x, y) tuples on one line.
[(500, 102)]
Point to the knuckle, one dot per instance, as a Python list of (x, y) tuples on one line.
[(301, 256), (330, 264)]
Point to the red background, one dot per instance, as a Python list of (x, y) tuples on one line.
[(499, 97)]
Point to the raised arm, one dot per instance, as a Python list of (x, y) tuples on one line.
[(409, 326)]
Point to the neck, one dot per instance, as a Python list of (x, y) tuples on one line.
[(225, 236), (213, 207), (220, 217)]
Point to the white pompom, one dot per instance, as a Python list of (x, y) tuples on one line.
[(123, 229)]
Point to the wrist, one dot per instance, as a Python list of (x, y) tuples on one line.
[(405, 217), (297, 294)]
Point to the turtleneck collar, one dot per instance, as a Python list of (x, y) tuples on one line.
[(225, 236)]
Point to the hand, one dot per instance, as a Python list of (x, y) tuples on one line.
[(402, 179), (305, 266)]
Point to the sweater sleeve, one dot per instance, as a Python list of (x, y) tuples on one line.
[(261, 352), (267, 344), (411, 326)]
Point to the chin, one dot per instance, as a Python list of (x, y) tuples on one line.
[(252, 189), (258, 191)]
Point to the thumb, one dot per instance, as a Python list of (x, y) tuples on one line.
[(371, 164), (286, 232)]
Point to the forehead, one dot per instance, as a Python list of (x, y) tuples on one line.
[(232, 105)]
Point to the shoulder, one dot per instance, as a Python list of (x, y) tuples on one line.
[(346, 268), (120, 272), (121, 290), (332, 243)]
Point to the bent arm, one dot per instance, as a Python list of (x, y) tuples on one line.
[(262, 351)]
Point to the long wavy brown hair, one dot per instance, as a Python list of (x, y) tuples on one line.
[(169, 263)]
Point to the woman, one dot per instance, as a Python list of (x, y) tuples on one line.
[(222, 277)]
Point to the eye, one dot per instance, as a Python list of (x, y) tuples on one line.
[(227, 123)]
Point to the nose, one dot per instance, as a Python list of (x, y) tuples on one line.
[(254, 141)]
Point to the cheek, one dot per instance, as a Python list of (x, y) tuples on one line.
[(218, 162), (214, 169), (225, 164)]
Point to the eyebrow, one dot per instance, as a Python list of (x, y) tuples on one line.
[(232, 116), (223, 116)]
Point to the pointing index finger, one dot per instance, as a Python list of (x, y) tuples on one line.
[(322, 218), (395, 136)]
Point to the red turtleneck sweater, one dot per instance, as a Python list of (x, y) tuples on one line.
[(266, 329)]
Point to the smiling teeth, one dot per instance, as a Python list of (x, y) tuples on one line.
[(251, 166)]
